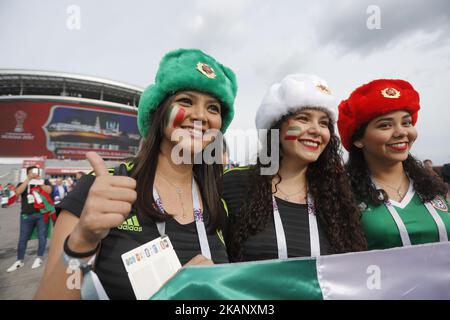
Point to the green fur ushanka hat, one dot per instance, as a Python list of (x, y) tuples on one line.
[(188, 69)]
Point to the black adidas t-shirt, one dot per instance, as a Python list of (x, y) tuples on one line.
[(134, 233), (263, 245)]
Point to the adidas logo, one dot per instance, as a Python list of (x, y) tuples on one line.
[(131, 224)]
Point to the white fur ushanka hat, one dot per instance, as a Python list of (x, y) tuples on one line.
[(294, 92)]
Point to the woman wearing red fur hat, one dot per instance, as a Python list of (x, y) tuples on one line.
[(402, 203)]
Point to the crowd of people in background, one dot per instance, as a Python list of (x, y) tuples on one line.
[(37, 198), (61, 185)]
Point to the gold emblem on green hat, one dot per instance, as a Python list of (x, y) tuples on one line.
[(206, 70), (390, 93)]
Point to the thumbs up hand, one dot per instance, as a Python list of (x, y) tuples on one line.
[(108, 204)]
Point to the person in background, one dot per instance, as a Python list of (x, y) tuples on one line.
[(69, 183), (428, 164), (59, 191), (31, 217), (78, 176)]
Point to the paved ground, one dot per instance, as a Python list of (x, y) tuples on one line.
[(20, 284)]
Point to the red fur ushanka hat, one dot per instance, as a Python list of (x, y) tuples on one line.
[(373, 100)]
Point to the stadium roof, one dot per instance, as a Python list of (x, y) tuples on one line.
[(59, 84)]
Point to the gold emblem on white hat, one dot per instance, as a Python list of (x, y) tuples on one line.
[(390, 93), (206, 70), (323, 88)]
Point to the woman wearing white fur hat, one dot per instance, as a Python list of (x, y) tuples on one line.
[(305, 208)]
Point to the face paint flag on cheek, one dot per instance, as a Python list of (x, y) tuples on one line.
[(292, 132), (175, 116)]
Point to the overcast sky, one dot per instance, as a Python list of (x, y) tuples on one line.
[(262, 41)]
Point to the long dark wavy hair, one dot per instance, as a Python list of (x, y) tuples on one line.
[(426, 185), (208, 176), (327, 183)]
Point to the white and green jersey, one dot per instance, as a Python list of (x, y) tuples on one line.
[(382, 231)]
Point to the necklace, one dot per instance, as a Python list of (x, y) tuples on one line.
[(287, 196), (179, 192), (178, 189), (397, 190)]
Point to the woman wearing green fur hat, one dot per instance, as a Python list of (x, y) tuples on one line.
[(155, 194), (304, 208)]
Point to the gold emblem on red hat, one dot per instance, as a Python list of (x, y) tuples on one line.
[(390, 93), (206, 70), (323, 88)]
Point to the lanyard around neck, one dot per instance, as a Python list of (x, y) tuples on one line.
[(313, 230), (198, 216)]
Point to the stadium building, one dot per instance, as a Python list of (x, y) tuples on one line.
[(52, 119)]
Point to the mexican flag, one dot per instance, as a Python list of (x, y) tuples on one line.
[(12, 197), (292, 132), (175, 116), (414, 272), (8, 196), (44, 203), (4, 198)]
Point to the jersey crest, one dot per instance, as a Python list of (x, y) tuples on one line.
[(439, 204)]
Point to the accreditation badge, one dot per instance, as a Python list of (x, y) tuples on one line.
[(150, 266)]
